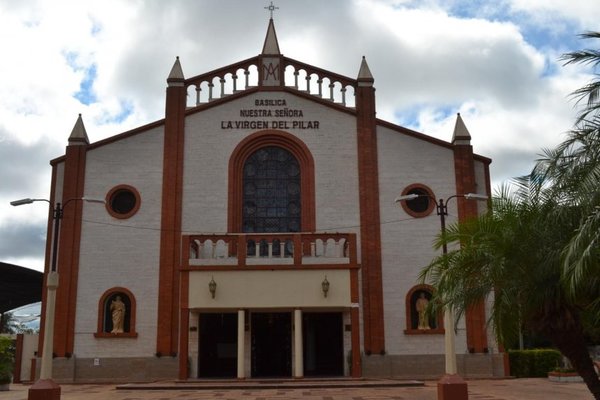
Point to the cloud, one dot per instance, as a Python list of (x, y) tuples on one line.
[(584, 12), (23, 241), (24, 169), (493, 61)]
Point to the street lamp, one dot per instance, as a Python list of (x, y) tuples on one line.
[(45, 387), (451, 385)]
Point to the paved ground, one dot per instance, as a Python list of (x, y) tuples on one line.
[(508, 389)]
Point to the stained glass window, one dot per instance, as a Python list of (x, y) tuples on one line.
[(271, 192)]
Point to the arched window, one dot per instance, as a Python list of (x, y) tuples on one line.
[(417, 321), (271, 191), (116, 314), (271, 185)]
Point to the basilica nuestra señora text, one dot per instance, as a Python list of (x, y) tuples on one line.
[(270, 108)]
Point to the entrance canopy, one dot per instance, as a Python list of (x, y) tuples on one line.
[(19, 286)]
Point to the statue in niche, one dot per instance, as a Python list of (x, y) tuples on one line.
[(421, 306), (117, 310)]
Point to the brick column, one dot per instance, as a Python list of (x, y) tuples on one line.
[(466, 183), (170, 237), (370, 234), (69, 240)]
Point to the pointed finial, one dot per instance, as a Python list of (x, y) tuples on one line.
[(271, 45), (176, 77), (461, 134), (78, 135), (364, 74), (271, 8)]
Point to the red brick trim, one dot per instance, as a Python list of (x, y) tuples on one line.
[(184, 326), (426, 138), (113, 191), (355, 325), (33, 368), (429, 192), (370, 230), (476, 331), (268, 267), (464, 170), (18, 358), (170, 236), (69, 247), (263, 139), (100, 333), (409, 312)]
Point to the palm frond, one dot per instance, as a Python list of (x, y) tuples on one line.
[(582, 254)]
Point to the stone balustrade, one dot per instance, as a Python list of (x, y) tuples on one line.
[(244, 75), (295, 250)]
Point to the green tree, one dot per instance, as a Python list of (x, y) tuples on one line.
[(574, 171), (537, 253), (6, 359), (513, 256), (7, 323)]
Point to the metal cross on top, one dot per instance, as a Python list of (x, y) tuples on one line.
[(271, 8)]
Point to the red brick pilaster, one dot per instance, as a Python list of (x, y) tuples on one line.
[(184, 323), (68, 249), (465, 183), (170, 237), (356, 369), (368, 178), (18, 359)]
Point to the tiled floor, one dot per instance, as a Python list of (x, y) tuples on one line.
[(510, 389)]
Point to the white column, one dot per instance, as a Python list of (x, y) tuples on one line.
[(240, 345), (298, 350), (51, 284), (449, 338)]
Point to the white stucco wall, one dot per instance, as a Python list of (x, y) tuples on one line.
[(269, 289), (406, 242), (126, 252), (121, 252), (208, 149)]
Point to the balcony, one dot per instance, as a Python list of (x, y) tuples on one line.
[(269, 251)]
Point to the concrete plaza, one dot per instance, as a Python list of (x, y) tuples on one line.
[(497, 389)]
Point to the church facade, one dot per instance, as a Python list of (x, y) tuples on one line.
[(253, 233)]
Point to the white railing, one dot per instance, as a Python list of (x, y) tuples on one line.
[(294, 249)]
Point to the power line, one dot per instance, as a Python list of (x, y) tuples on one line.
[(327, 229)]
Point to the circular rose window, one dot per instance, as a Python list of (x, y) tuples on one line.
[(123, 201), (421, 206)]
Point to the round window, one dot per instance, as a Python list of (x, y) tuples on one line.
[(420, 206), (123, 201)]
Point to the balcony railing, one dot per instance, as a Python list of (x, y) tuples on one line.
[(295, 250), (243, 75)]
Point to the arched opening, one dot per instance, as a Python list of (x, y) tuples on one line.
[(418, 321), (116, 314), (271, 185), (271, 191)]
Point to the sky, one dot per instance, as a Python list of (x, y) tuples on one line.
[(496, 62)]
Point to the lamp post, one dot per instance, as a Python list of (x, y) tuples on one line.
[(45, 388), (451, 386)]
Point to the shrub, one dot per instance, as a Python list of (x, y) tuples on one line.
[(533, 363), (6, 359)]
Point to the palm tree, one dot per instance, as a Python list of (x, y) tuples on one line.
[(537, 254), (590, 93), (574, 169), (512, 255)]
